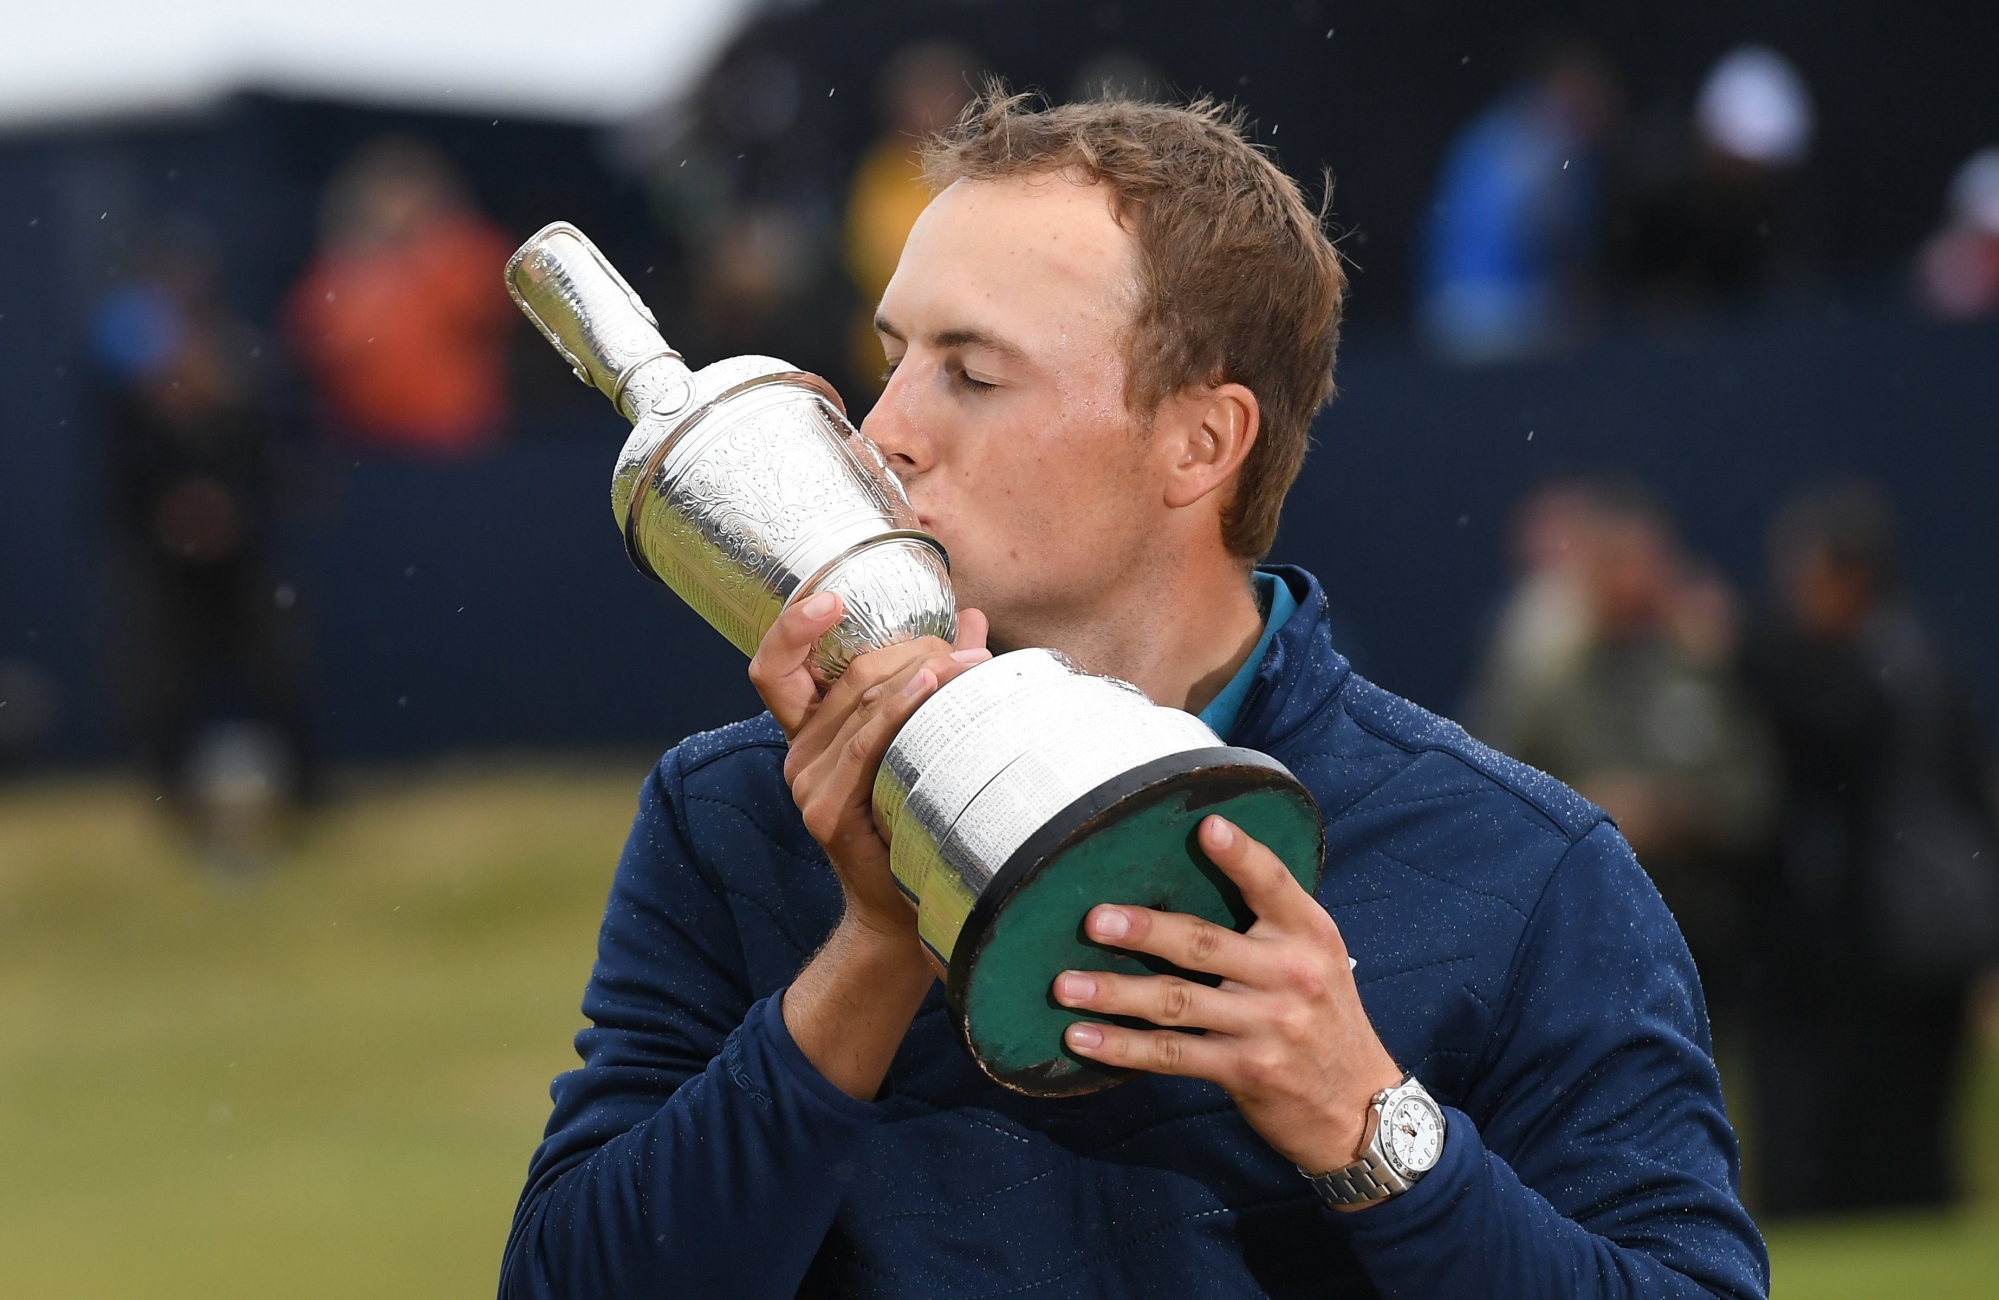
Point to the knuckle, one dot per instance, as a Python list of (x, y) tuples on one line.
[(1205, 941), (1176, 1001), (1305, 978), (1293, 1023), (1263, 1065), (822, 821), (1168, 1051)]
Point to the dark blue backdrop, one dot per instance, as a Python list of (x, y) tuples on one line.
[(491, 604)]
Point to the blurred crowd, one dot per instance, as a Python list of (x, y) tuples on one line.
[(1803, 779), (1563, 200), (400, 324), (1805, 783)]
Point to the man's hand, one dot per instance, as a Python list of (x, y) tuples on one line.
[(850, 1006), (1286, 1036)]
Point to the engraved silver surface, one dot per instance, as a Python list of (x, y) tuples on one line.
[(742, 487), (991, 757)]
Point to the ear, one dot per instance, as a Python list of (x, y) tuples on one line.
[(1209, 430)]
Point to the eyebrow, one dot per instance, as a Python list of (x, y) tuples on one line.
[(964, 336)]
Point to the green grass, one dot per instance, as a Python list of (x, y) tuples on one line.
[(324, 1082), (327, 1081)]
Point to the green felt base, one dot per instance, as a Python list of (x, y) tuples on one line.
[(1130, 841)]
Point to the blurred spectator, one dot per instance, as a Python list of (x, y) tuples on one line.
[(922, 88), (1884, 904), (206, 630), (1957, 276), (1612, 671), (1543, 626), (402, 318), (28, 711), (1512, 239), (1711, 208), (743, 187)]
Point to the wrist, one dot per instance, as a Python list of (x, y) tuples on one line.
[(1347, 1122)]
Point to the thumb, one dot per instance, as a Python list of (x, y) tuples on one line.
[(972, 629), (781, 668)]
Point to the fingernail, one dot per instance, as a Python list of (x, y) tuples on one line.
[(1076, 987), (1220, 833), (821, 605), (920, 683), (976, 654), (1111, 924), (1085, 1036)]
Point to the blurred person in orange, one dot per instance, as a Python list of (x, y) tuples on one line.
[(1883, 906), (1957, 275), (1633, 700), (401, 318), (921, 89)]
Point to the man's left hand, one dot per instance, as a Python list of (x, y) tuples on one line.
[(1286, 1036)]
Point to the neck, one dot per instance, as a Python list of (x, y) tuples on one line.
[(1179, 635)]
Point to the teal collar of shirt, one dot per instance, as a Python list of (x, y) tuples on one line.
[(1274, 595)]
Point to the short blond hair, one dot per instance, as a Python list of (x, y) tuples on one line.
[(1238, 282)]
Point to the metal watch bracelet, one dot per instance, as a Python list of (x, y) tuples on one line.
[(1371, 1178)]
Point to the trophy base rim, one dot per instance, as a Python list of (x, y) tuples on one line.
[(1156, 802)]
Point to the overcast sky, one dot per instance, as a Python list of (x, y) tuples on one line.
[(80, 59)]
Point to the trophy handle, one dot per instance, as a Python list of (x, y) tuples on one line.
[(596, 320)]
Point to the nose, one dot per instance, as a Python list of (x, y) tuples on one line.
[(897, 428)]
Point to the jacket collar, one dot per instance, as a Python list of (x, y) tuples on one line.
[(1301, 673)]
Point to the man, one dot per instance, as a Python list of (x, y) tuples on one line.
[(1107, 337)]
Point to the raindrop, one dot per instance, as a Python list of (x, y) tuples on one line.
[(830, 90), (402, 702), (1530, 435), (1463, 520)]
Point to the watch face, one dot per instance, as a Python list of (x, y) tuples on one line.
[(1412, 1135)]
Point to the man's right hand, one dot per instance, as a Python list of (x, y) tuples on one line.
[(850, 1006)]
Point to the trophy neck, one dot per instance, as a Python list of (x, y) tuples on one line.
[(596, 320)]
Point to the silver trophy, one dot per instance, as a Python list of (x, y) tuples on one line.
[(1020, 795)]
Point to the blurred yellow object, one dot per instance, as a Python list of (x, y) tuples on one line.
[(887, 198)]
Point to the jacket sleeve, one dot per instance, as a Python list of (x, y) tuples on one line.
[(697, 1152), (1601, 1163)]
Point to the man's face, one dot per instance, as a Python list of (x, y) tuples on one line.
[(1005, 415)]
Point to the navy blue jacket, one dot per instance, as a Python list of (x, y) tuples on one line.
[(1512, 953)]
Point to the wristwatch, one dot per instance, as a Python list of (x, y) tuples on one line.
[(1407, 1142)]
